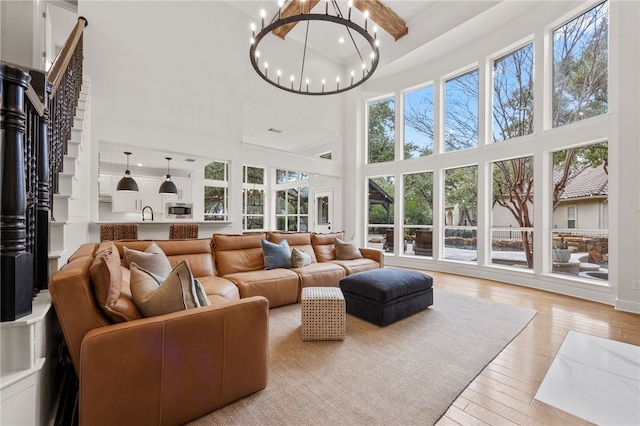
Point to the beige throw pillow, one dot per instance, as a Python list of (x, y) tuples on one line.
[(152, 259), (347, 250), (155, 296), (300, 258)]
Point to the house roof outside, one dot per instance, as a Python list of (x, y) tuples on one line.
[(588, 182)]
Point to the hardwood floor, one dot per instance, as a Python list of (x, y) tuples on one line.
[(503, 394)]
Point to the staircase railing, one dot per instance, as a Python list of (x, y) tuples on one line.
[(37, 110)]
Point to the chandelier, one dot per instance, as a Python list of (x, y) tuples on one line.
[(304, 78)]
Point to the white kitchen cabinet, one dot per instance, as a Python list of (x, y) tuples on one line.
[(184, 194), (147, 195)]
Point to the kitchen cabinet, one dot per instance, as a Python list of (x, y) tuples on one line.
[(147, 195), (184, 194)]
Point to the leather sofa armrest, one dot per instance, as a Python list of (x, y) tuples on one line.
[(373, 254), (175, 367)]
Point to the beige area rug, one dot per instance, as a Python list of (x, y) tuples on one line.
[(409, 372)]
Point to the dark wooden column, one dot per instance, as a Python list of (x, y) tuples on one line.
[(17, 265), (41, 244)]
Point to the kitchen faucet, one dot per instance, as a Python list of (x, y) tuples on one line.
[(143, 209)]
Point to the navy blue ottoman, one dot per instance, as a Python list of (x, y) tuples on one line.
[(384, 296)]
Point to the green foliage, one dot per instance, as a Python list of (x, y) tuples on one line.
[(381, 134), (216, 171), (418, 199), (461, 188), (581, 67)]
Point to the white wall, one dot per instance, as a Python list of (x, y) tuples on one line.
[(174, 75), (473, 45)]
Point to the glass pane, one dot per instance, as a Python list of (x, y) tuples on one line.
[(281, 223), (461, 196), (215, 203), (461, 112), (292, 201), (304, 200), (323, 210), (513, 94), (255, 201), (254, 222), (281, 176), (281, 202), (461, 213), (580, 215), (580, 67), (418, 123), (216, 171), (255, 175), (381, 132), (292, 223), (304, 224), (513, 208), (418, 198), (380, 200)]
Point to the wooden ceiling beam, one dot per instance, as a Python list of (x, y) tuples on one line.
[(293, 8), (382, 15)]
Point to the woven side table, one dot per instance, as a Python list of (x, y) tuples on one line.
[(323, 314)]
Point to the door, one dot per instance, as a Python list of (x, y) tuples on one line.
[(323, 211)]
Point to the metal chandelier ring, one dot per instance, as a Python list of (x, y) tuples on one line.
[(314, 17)]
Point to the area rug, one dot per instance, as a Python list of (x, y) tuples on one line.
[(407, 373)]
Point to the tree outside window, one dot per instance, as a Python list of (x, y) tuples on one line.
[(580, 210), (418, 213), (216, 198), (461, 112), (382, 130), (461, 213), (580, 67), (253, 190), (513, 94), (380, 214), (512, 212), (418, 122), (292, 201)]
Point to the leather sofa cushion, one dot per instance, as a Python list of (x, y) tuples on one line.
[(347, 250), (324, 245), (196, 252), (106, 280), (152, 259), (218, 286), (178, 292), (238, 253), (299, 240)]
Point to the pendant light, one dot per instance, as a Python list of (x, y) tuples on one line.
[(127, 183), (167, 186)]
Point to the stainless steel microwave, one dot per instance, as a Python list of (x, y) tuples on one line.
[(179, 211)]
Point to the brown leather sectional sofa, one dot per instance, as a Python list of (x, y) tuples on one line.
[(173, 368)]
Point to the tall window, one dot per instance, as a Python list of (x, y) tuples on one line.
[(512, 213), (580, 67), (513, 94), (252, 198), (461, 213), (418, 122), (580, 212), (380, 215), (216, 187), (461, 112), (292, 201), (381, 134), (418, 213)]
